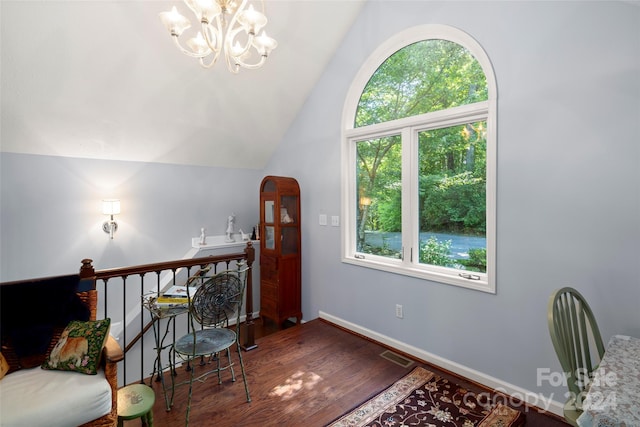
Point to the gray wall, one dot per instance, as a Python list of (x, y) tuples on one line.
[(568, 185), (52, 219), (568, 191)]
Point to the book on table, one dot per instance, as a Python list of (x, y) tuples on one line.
[(175, 296), (179, 291), (169, 302)]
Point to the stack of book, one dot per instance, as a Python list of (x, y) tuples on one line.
[(175, 296)]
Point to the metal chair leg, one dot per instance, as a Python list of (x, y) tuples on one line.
[(190, 393), (244, 376), (230, 362)]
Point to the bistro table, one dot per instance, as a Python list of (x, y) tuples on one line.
[(159, 313), (614, 396)]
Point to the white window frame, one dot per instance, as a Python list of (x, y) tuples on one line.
[(408, 128)]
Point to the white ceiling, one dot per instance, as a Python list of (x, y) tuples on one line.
[(102, 79)]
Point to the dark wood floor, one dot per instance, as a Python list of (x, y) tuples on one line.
[(305, 375)]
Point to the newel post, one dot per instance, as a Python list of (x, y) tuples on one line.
[(86, 270), (88, 283), (249, 344)]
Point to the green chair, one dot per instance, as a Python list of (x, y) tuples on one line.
[(217, 300), (577, 342)]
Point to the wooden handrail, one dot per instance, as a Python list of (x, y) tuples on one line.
[(87, 270), (158, 266)]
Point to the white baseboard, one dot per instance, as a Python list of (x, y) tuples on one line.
[(535, 401)]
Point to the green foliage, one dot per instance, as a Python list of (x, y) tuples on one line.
[(379, 179), (454, 204), (453, 150), (435, 252), (426, 76), (385, 250), (477, 260), (390, 212)]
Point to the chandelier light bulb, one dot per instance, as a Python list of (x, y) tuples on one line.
[(252, 20), (264, 44), (174, 22), (205, 10), (237, 50), (199, 45)]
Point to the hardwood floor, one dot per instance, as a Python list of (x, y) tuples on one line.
[(305, 375)]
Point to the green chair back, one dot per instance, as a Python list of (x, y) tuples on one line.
[(577, 342)]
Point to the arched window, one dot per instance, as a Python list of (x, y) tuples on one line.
[(419, 159)]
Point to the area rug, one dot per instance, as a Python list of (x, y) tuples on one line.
[(422, 398)]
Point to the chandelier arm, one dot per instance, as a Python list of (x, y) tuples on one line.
[(203, 64), (212, 62), (233, 61), (187, 51), (233, 67), (231, 35), (207, 30), (216, 49), (234, 18), (258, 64)]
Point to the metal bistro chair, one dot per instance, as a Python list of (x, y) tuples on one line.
[(216, 301), (576, 337)]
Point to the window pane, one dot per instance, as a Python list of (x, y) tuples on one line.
[(270, 240), (289, 240), (452, 196), (379, 192), (423, 77)]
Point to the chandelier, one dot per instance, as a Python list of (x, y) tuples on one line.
[(228, 28)]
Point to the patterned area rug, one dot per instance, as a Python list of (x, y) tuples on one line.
[(422, 398)]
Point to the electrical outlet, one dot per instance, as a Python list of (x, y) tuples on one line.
[(399, 313), (322, 219), (335, 220)]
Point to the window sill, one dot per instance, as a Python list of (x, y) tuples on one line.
[(449, 278)]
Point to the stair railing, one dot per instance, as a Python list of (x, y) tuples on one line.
[(121, 292)]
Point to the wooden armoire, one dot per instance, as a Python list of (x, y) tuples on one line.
[(280, 265)]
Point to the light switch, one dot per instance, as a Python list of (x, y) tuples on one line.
[(323, 219), (335, 220)]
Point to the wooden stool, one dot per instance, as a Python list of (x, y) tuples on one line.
[(136, 401)]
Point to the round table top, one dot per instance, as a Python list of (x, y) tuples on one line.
[(135, 400), (208, 341)]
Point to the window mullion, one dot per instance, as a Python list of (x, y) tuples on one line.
[(349, 198), (409, 150)]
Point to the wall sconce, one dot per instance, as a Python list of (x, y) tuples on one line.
[(110, 207)]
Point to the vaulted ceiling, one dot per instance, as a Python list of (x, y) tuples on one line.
[(102, 79)]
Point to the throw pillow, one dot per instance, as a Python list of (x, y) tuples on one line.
[(79, 347), (4, 366)]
